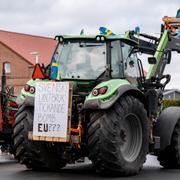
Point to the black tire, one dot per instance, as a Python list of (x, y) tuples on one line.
[(118, 137), (170, 156), (33, 154)]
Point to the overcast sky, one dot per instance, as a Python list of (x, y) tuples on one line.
[(52, 17)]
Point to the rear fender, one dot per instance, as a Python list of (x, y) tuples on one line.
[(116, 90), (23, 94)]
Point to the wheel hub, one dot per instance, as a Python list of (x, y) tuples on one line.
[(131, 137)]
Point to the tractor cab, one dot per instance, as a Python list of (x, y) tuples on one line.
[(94, 58)]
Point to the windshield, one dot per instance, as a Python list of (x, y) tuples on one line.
[(80, 60)]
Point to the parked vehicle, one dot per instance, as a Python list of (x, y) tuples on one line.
[(114, 111), (7, 110)]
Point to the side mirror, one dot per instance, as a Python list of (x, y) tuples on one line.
[(152, 60)]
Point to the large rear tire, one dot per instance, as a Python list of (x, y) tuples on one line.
[(118, 137), (170, 156), (33, 154)]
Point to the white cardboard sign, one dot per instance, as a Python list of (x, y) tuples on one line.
[(51, 109)]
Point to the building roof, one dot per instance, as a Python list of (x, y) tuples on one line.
[(169, 91), (24, 44)]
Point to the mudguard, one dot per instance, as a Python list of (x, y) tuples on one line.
[(117, 89), (165, 125)]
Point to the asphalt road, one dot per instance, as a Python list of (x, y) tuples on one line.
[(11, 170)]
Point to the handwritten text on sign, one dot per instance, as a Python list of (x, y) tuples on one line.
[(51, 109)]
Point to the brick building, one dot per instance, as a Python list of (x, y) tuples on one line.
[(16, 55)]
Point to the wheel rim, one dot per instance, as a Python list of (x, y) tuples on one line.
[(131, 137)]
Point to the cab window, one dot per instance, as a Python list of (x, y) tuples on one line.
[(131, 69), (116, 60)]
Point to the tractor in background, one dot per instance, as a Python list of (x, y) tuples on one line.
[(8, 109), (113, 114)]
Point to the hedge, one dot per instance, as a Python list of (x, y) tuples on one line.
[(167, 103)]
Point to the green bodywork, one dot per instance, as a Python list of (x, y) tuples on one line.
[(116, 89), (112, 86)]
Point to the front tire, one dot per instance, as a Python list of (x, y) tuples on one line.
[(118, 137), (33, 154), (170, 156)]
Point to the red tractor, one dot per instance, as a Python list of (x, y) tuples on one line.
[(7, 110)]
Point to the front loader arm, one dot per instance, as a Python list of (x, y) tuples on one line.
[(145, 45), (156, 70), (169, 41), (160, 48)]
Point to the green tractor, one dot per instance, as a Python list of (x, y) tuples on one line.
[(94, 101)]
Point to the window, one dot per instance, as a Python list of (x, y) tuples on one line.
[(7, 67), (116, 60), (131, 62)]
